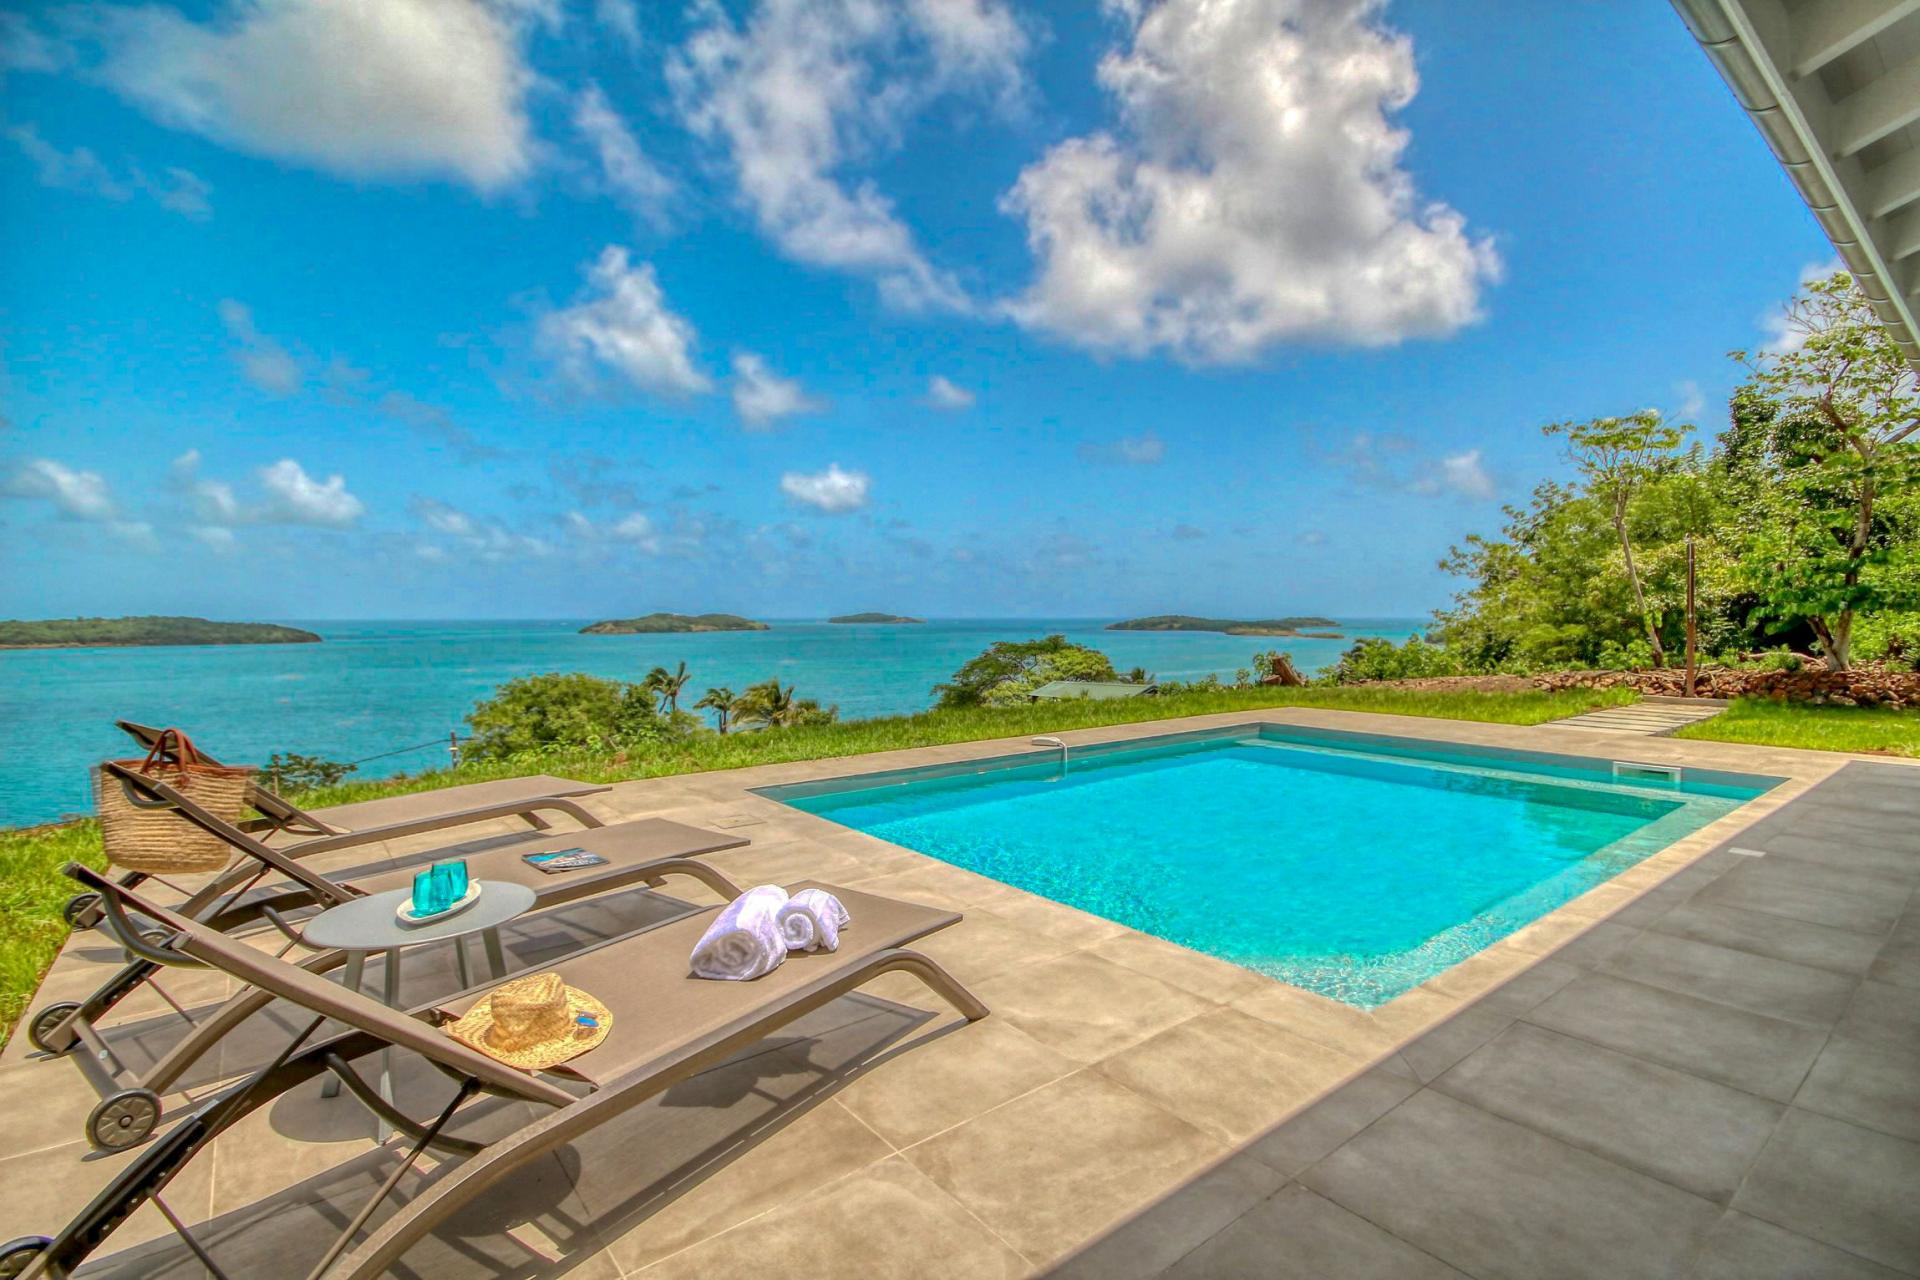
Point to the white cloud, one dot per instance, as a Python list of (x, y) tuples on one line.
[(620, 17), (265, 362), (25, 47), (1463, 475), (215, 537), (762, 397), (636, 529), (833, 491), (1252, 195), (623, 324), (481, 539), (294, 497), (1143, 450), (633, 178), (365, 88), (180, 191), (797, 94), (77, 495), (1782, 334), (945, 394), (213, 501)]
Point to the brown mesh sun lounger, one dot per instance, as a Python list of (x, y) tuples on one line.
[(667, 1027), (268, 883)]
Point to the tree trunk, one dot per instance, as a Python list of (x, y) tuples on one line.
[(1633, 580)]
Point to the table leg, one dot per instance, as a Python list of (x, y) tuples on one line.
[(496, 959), (460, 963), (350, 979), (391, 996)]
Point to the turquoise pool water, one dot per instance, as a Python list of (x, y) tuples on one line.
[(1351, 865)]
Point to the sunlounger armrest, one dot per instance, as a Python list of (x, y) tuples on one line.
[(445, 821)]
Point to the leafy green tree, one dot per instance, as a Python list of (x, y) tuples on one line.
[(295, 772), (723, 702), (1832, 466), (559, 712), (1616, 457), (667, 685), (1377, 658), (1009, 670)]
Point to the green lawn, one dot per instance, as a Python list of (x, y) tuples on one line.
[(32, 888), (1868, 730)]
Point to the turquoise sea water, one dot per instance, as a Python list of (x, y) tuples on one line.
[(375, 686), (1309, 857)]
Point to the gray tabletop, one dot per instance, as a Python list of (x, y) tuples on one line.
[(371, 923)]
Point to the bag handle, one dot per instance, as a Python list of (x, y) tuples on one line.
[(184, 753)]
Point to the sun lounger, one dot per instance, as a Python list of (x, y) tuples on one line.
[(667, 1027), (267, 883)]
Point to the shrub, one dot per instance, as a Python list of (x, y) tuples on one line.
[(1011, 669), (1635, 655), (295, 772), (1377, 658), (1888, 637), (561, 712)]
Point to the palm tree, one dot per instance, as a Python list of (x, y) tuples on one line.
[(667, 685), (722, 702), (771, 707)]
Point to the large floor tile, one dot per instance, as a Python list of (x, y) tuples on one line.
[(1332, 1120), (1205, 976), (1115, 1151), (1085, 1007), (1850, 1187), (1898, 963), (1454, 1039), (1696, 1134), (1761, 1055), (1166, 1231), (1230, 1074), (1298, 1235), (934, 1084), (1883, 1014), (883, 1222), (1802, 891), (1777, 937), (1743, 1248), (1499, 1201), (1874, 1086), (1774, 988)]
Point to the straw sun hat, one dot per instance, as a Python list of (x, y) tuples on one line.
[(534, 1022)]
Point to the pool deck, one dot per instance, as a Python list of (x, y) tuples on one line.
[(1709, 1066)]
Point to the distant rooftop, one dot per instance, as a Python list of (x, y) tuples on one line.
[(1100, 690), (1834, 87)]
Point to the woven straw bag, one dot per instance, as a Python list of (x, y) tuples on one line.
[(144, 836)]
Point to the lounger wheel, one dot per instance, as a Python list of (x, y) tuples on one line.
[(82, 911), (124, 1119), (40, 1030), (17, 1255)]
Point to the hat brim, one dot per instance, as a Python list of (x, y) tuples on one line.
[(475, 1027)]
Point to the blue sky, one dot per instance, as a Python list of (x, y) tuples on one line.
[(515, 308)]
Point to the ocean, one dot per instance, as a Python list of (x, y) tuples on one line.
[(373, 688)]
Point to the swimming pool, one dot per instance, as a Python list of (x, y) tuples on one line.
[(1353, 865)]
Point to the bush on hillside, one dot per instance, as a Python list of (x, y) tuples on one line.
[(560, 712), (1377, 658), (1010, 670)]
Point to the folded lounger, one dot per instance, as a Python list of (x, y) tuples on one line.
[(268, 883), (667, 1026)]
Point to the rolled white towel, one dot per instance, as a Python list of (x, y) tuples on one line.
[(811, 920), (744, 940)]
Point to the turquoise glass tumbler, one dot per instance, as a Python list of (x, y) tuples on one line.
[(427, 887), (456, 873)]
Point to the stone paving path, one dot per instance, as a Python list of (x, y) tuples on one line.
[(1722, 1081), (1648, 717)]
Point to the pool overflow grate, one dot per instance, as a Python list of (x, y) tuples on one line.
[(1647, 772)]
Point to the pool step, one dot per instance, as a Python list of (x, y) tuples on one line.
[(1650, 717)]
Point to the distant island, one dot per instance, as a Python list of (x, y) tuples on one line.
[(1231, 626), (660, 623), (898, 618), (87, 633)]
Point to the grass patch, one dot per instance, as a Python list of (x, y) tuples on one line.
[(1865, 730), (32, 890)]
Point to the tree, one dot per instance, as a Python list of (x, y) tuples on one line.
[(564, 712), (770, 706), (1011, 669), (723, 703), (1616, 456), (667, 685), (1835, 445)]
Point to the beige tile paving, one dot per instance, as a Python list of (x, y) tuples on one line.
[(1115, 1067)]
